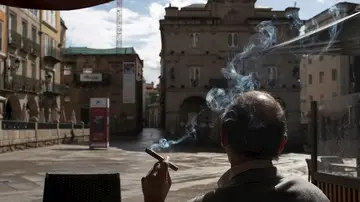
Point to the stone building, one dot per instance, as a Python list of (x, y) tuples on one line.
[(112, 73), (24, 83), (198, 40), (326, 76)]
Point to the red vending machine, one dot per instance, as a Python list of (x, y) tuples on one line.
[(99, 123)]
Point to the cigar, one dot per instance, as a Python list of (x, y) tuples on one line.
[(160, 158)]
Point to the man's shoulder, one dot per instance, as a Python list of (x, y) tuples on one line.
[(301, 189), (203, 198), (295, 190)]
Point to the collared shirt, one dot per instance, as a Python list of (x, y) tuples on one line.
[(227, 178)]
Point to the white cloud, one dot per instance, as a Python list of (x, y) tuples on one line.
[(97, 29)]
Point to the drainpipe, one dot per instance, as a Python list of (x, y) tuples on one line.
[(40, 58), (6, 68)]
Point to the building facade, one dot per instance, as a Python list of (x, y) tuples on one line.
[(151, 105), (198, 40), (25, 83), (51, 29), (324, 77), (21, 77), (3, 44), (112, 73)]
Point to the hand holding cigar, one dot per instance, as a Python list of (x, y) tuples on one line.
[(160, 158)]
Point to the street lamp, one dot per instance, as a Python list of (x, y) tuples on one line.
[(15, 67), (48, 79)]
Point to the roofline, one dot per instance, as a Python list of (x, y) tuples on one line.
[(62, 22), (326, 10), (299, 41), (76, 54)]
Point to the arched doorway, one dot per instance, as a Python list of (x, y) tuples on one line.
[(12, 108), (195, 117), (32, 106)]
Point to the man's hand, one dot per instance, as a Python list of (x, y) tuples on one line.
[(156, 184)]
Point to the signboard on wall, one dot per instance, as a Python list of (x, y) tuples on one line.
[(129, 71), (91, 77)]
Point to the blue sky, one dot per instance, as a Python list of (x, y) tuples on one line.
[(95, 27)]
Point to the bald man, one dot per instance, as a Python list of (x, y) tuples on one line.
[(253, 135)]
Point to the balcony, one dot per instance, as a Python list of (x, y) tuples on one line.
[(35, 51), (19, 83), (26, 45), (54, 89), (52, 55), (15, 39)]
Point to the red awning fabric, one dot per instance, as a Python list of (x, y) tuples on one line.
[(53, 4)]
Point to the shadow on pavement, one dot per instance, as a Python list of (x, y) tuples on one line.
[(70, 149), (150, 136)]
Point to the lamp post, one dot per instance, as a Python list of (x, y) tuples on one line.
[(48, 81), (12, 68)]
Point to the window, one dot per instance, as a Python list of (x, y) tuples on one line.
[(67, 70), (334, 94), (24, 67), (24, 29), (309, 79), (233, 40), (12, 22), (272, 76), (321, 58), (34, 12), (3, 8), (33, 70), (309, 61), (310, 98), (1, 36), (33, 34), (194, 40), (334, 74), (194, 76), (50, 18), (46, 44), (321, 77), (88, 69)]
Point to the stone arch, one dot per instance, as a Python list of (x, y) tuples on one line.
[(12, 108), (33, 107), (190, 107)]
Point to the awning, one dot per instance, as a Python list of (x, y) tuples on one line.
[(316, 41), (53, 4)]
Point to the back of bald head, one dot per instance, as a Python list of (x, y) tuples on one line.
[(258, 118)]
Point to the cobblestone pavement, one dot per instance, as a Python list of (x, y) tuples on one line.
[(22, 172)]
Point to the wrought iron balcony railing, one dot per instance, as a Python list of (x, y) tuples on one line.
[(26, 45), (54, 89), (52, 55), (35, 49), (21, 83), (14, 39)]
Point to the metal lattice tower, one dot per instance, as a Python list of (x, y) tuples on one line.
[(118, 24)]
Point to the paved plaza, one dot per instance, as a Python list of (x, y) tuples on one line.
[(22, 172)]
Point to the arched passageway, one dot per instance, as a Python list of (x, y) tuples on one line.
[(12, 108), (195, 116), (32, 106)]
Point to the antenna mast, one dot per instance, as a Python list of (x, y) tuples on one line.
[(119, 6)]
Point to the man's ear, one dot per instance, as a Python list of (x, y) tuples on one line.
[(282, 145), (224, 138)]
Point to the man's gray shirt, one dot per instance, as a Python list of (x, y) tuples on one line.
[(264, 184)]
